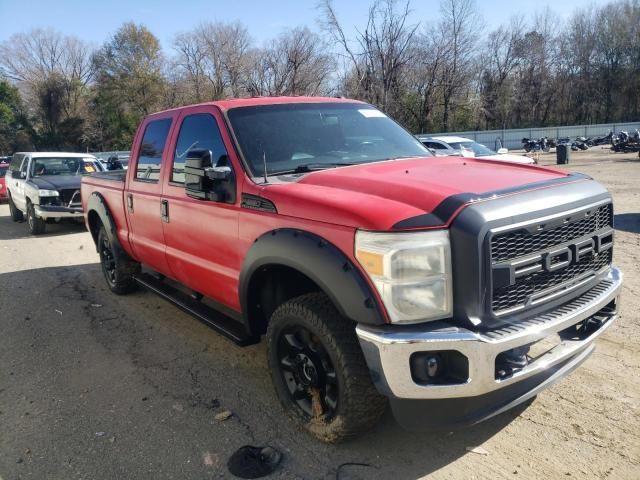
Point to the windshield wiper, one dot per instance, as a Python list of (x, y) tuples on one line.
[(312, 167)]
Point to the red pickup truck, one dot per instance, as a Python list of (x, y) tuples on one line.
[(451, 289)]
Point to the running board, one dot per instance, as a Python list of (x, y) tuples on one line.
[(221, 323)]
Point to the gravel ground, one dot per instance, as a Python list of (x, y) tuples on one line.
[(96, 386)]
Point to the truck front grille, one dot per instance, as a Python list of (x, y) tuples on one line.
[(72, 195), (518, 243), (515, 245)]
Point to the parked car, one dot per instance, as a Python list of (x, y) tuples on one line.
[(459, 146), (45, 186), (4, 165), (450, 288)]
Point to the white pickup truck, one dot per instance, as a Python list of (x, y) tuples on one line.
[(45, 186)]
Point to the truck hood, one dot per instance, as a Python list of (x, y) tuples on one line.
[(57, 182), (404, 194)]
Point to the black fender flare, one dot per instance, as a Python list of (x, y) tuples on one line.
[(98, 204), (319, 260)]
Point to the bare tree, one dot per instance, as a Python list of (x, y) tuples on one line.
[(378, 54), (421, 80), (459, 31), (213, 59), (295, 63), (499, 60), (53, 72)]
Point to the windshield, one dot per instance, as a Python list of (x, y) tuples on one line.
[(478, 149), (62, 166), (303, 137)]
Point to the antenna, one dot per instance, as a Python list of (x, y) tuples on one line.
[(264, 161)]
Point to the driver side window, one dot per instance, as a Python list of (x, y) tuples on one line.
[(198, 132)]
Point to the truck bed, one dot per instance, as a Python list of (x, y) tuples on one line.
[(114, 176)]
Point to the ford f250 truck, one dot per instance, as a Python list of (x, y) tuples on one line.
[(451, 289)]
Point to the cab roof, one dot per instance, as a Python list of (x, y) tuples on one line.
[(55, 154), (225, 105)]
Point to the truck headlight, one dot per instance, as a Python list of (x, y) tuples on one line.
[(411, 271), (48, 193)]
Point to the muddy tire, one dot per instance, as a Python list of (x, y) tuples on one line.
[(118, 268), (36, 225), (319, 371), (16, 215)]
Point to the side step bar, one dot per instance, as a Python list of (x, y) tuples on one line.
[(222, 324)]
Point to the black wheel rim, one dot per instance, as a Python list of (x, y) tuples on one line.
[(308, 373), (108, 261)]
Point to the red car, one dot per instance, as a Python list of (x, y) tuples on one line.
[(451, 289), (4, 165)]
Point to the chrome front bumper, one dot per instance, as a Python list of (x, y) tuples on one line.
[(45, 212), (388, 349)]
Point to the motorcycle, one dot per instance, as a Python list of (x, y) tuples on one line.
[(581, 143), (530, 145), (605, 140), (569, 142), (624, 142)]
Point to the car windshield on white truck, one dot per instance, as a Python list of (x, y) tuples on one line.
[(478, 149), (294, 138), (42, 166)]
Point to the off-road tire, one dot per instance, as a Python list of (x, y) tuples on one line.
[(359, 405), (118, 268), (16, 215), (36, 225)]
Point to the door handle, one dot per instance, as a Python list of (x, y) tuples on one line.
[(130, 202), (164, 210)]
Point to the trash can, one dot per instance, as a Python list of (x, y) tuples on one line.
[(563, 152)]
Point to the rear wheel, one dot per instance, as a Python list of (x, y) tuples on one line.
[(118, 268), (37, 225), (16, 215), (319, 371)]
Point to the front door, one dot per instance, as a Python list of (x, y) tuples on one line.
[(201, 235), (18, 181), (143, 197)]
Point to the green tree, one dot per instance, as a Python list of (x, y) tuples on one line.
[(129, 84), (15, 130)]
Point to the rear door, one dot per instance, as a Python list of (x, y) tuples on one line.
[(201, 235), (143, 196)]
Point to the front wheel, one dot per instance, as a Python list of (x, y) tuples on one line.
[(36, 224), (319, 371), (16, 214)]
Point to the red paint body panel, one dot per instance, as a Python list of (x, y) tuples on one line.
[(378, 195), (3, 185), (204, 243)]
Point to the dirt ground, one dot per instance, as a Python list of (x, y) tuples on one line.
[(96, 386)]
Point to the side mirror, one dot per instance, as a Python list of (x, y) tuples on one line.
[(502, 151), (23, 175), (205, 182)]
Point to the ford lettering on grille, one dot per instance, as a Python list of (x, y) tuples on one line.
[(529, 265)]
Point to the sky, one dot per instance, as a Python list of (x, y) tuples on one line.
[(96, 21)]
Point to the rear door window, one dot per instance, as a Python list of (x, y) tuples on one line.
[(151, 149)]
